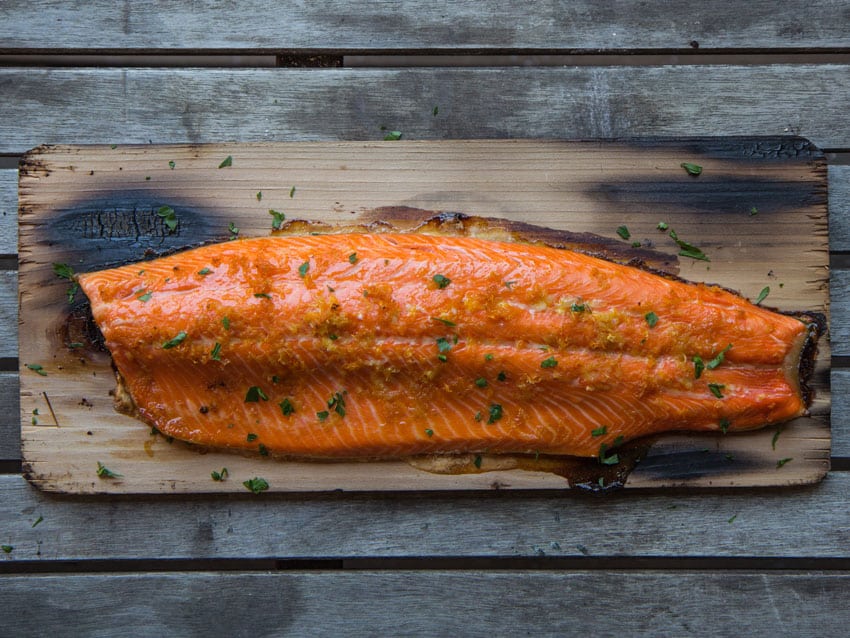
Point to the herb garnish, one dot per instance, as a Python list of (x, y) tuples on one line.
[(578, 307), (392, 136), (233, 228), (441, 281), (782, 462), (262, 295), (172, 164), (303, 268), (291, 192), (215, 355), (699, 366), (716, 388), (277, 218), (481, 382), (256, 484), (175, 341), (479, 416), (225, 321), (352, 258), (688, 250), (477, 461), (724, 425), (495, 413), (337, 403), (429, 432), (203, 272), (37, 368), (254, 394), (623, 232), (263, 450), (508, 284), (775, 438), (105, 472), (602, 431), (613, 459), (732, 519), (251, 437), (501, 376), (7, 549), (488, 356), (169, 217), (450, 324), (323, 415), (663, 226), (286, 407), (443, 344), (66, 272), (219, 476), (762, 295), (259, 196), (711, 365), (692, 169), (754, 211), (38, 520), (551, 362), (435, 110), (651, 319), (145, 297), (227, 161)]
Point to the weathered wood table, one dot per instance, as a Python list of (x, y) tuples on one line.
[(643, 561)]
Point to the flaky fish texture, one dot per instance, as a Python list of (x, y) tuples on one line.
[(392, 344)]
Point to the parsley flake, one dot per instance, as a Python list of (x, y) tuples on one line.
[(145, 297), (501, 376), (479, 416), (578, 307), (651, 319), (711, 365), (442, 357), (623, 232), (215, 354), (256, 484), (262, 295), (724, 425), (203, 272), (551, 362), (291, 192), (429, 432), (481, 382), (699, 366), (508, 284), (688, 250), (488, 356), (254, 394), (663, 226), (477, 461), (172, 164), (251, 437), (435, 110), (782, 462), (762, 295), (219, 476), (225, 321), (352, 258), (303, 268), (443, 344), (441, 281), (37, 368), (337, 403), (775, 438), (323, 415), (613, 459), (716, 389), (66, 272), (286, 407), (169, 217), (732, 519), (495, 413), (692, 169), (277, 218), (263, 450), (601, 431), (445, 322), (227, 161), (7, 549), (392, 136), (105, 472), (175, 341), (38, 520)]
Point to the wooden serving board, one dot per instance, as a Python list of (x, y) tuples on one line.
[(758, 210)]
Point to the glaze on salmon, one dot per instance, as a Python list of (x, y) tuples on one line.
[(396, 344)]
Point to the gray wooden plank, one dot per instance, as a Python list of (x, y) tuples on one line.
[(839, 292), (8, 313), (8, 211), (810, 521), (446, 603), (840, 424), (364, 24), (203, 105), (10, 425), (839, 207)]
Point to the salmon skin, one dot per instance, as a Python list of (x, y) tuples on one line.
[(387, 345)]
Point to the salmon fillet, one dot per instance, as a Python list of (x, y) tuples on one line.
[(386, 345)]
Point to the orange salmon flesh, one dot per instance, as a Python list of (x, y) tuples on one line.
[(373, 345)]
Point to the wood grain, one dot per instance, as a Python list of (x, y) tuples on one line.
[(95, 206), (260, 26), (10, 422), (803, 522), (469, 603), (138, 105), (8, 211)]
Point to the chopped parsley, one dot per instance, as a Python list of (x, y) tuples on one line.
[(227, 161), (481, 382), (175, 341), (651, 319), (450, 324), (782, 462), (478, 416), (145, 297), (392, 136), (262, 295), (724, 425), (337, 403), (352, 258), (501, 376), (711, 365), (477, 461), (488, 356), (219, 476), (613, 459), (763, 295), (256, 484), (732, 519), (38, 520), (286, 407), (508, 284), (601, 431), (215, 354), (699, 366), (251, 437), (443, 344), (277, 218), (203, 272), (688, 250), (66, 272), (225, 321), (172, 164), (254, 394), (623, 232), (692, 169), (259, 196), (435, 110), (264, 451), (291, 192), (323, 415), (442, 357), (105, 472), (303, 268), (441, 281), (495, 413), (429, 432), (35, 367), (169, 217), (7, 549), (578, 307), (775, 438), (754, 211), (233, 228), (663, 226), (716, 389), (551, 362)]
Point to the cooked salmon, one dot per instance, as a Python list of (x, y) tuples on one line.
[(383, 345)]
